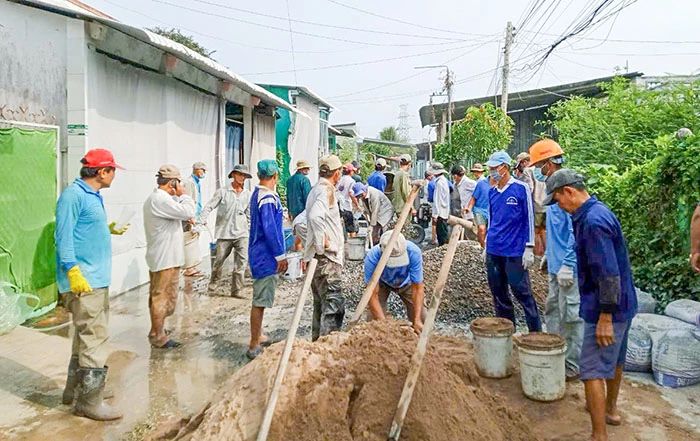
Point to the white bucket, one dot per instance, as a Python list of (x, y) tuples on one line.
[(355, 248), (542, 372), (192, 254), (294, 266), (493, 346)]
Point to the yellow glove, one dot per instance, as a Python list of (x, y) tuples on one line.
[(78, 283), (118, 231)]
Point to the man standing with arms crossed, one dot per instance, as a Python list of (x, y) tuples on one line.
[(84, 271), (325, 242), (608, 297)]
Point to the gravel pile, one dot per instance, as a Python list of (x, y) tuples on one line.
[(467, 295)]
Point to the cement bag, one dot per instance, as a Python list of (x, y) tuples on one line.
[(14, 309), (676, 357), (645, 302), (684, 309), (639, 343)]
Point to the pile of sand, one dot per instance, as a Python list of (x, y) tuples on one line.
[(346, 387)]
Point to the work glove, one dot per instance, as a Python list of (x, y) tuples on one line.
[(565, 276), (543, 264), (118, 231), (528, 258), (78, 283)]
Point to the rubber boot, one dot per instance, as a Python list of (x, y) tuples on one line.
[(71, 380), (89, 401)]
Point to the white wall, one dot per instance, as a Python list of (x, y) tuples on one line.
[(304, 140)]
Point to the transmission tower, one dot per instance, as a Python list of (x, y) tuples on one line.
[(403, 130)]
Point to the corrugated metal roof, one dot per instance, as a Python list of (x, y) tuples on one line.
[(85, 12), (306, 91)]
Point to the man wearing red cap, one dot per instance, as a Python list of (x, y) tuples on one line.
[(84, 269)]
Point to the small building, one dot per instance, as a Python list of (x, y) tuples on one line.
[(91, 81)]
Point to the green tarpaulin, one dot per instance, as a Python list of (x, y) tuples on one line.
[(27, 210)]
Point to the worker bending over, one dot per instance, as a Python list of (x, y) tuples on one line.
[(376, 207)]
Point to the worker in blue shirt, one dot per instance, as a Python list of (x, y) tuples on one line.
[(298, 189), (403, 275), (608, 297), (479, 203), (509, 242), (266, 250), (84, 273), (563, 299), (377, 178)]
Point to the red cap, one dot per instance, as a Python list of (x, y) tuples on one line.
[(350, 167), (97, 158)]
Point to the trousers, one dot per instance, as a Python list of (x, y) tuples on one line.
[(329, 302), (561, 317), (442, 231), (503, 272), (91, 319), (224, 248)]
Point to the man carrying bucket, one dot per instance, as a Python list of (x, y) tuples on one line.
[(232, 228)]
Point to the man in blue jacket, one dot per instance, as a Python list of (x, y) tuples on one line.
[(266, 250), (608, 297), (377, 178)]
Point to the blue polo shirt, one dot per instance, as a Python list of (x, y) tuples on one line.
[(398, 277), (560, 240), (377, 180), (82, 236), (266, 242), (511, 220), (481, 197), (604, 274)]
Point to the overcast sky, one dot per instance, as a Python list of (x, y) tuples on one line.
[(368, 72)]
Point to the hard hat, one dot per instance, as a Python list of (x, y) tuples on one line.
[(544, 149)]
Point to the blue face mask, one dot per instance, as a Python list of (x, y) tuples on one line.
[(538, 174), (495, 175)]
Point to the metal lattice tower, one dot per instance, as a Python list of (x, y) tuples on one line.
[(404, 129)]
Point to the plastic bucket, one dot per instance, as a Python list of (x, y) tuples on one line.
[(355, 248), (542, 372), (493, 346), (294, 266), (192, 255)]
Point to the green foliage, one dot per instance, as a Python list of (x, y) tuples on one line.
[(484, 130), (185, 40), (281, 184), (348, 153), (621, 129), (390, 134)]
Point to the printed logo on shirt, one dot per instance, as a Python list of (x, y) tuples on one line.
[(512, 200)]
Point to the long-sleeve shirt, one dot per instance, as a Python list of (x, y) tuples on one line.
[(232, 213), (604, 274), (162, 220), (377, 180), (466, 188), (511, 220), (298, 188), (481, 197), (193, 187), (560, 240), (266, 244), (82, 236), (402, 188), (344, 186), (377, 207), (441, 198), (323, 223)]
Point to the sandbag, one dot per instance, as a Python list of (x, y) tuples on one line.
[(646, 304), (684, 309), (676, 357), (639, 342)]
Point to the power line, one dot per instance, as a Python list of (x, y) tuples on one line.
[(291, 43)]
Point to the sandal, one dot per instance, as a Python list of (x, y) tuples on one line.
[(253, 353), (170, 344)]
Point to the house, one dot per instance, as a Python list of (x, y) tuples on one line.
[(306, 137), (526, 108), (76, 79)]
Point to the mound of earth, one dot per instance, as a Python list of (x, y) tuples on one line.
[(346, 386)]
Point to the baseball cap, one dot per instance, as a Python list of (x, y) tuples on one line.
[(522, 156), (242, 169), (350, 167), (405, 158), (267, 168), (330, 162), (477, 168), (381, 162), (498, 158), (436, 168), (169, 171), (561, 178), (302, 164), (97, 158), (399, 255), (199, 165), (358, 188)]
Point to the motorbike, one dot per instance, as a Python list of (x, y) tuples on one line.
[(415, 231)]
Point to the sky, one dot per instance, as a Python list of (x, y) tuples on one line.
[(361, 55)]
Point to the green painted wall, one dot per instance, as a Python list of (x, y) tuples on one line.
[(282, 129)]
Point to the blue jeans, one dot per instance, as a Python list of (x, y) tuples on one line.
[(503, 272)]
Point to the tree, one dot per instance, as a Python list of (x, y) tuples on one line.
[(389, 134), (185, 40), (483, 130)]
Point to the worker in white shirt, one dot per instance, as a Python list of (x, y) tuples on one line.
[(466, 187), (441, 202), (163, 213), (232, 228), (344, 188)]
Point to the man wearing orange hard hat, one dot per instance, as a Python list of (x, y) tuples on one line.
[(561, 311)]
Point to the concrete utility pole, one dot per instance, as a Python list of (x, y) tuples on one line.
[(506, 67), (448, 87)]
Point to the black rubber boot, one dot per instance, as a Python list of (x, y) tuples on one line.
[(89, 401), (71, 380)]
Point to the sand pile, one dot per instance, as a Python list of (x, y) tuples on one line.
[(467, 295), (346, 387)]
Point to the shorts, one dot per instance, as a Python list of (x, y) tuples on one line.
[(480, 219), (264, 291), (540, 220), (598, 363), (406, 295)]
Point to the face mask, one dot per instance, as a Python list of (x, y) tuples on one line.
[(538, 174), (495, 175)]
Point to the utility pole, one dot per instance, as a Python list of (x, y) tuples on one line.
[(404, 129), (506, 67), (448, 88)]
